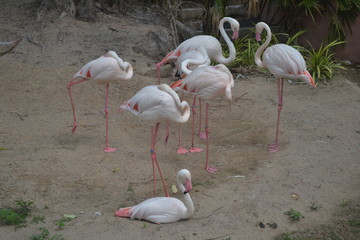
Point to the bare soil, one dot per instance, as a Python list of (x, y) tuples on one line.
[(65, 173)]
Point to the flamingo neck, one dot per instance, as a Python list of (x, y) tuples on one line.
[(261, 49), (221, 58), (204, 61), (185, 112), (187, 200)]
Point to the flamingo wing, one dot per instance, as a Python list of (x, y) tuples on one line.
[(206, 82), (284, 61)]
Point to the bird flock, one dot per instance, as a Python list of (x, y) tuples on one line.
[(164, 103)]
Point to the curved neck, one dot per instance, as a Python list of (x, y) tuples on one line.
[(183, 107), (232, 55), (128, 71), (204, 61), (187, 200), (261, 49), (125, 66)]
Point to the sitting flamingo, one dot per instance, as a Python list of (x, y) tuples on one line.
[(164, 209)]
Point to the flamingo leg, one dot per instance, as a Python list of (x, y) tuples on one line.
[(202, 135), (180, 149), (194, 149), (275, 147), (167, 132), (107, 148), (207, 167), (158, 65), (154, 132), (68, 86)]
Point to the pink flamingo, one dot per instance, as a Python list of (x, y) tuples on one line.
[(157, 103), (211, 45), (164, 209), (284, 62), (206, 83), (104, 70)]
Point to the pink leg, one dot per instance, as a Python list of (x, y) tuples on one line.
[(154, 159), (107, 148), (180, 149), (207, 167), (68, 86), (158, 65), (167, 132), (275, 147), (194, 149), (202, 135)]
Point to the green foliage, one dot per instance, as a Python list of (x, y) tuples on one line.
[(45, 235), (342, 14), (17, 215), (294, 215), (315, 205), (321, 63), (38, 219), (61, 222)]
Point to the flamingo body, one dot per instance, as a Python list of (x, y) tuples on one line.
[(206, 83), (163, 209), (157, 103), (104, 70), (210, 44), (284, 62)]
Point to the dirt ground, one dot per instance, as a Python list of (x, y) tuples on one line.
[(65, 173)]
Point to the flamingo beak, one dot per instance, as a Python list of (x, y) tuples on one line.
[(188, 186), (258, 38), (235, 35)]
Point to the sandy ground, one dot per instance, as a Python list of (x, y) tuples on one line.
[(65, 173)]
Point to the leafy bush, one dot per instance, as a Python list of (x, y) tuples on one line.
[(321, 63)]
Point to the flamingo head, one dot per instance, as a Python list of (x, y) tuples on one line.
[(259, 28), (184, 177), (235, 35)]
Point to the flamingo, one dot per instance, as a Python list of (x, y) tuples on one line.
[(164, 209), (284, 62), (206, 83), (107, 69), (157, 103), (211, 45)]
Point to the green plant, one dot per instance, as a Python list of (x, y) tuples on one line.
[(38, 219), (294, 215), (345, 203), (314, 205), (61, 222), (341, 13), (44, 235), (321, 63), (17, 215)]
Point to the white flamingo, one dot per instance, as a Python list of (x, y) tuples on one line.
[(107, 69), (164, 209), (284, 62), (211, 45), (206, 83), (157, 103)]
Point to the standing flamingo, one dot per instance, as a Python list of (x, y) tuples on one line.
[(164, 209), (209, 43), (157, 103), (284, 62), (104, 70), (206, 83)]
